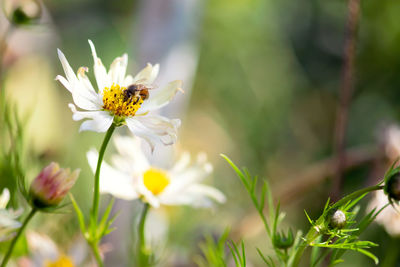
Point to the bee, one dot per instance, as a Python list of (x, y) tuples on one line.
[(135, 92)]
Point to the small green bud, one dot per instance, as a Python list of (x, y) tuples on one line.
[(282, 241), (392, 187), (337, 219)]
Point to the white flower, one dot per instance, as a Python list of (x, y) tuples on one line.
[(44, 252), (389, 217), (112, 103), (132, 177), (8, 224)]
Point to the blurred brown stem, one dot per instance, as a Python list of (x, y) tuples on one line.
[(346, 91)]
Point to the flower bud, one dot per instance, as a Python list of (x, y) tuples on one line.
[(22, 12), (51, 186), (282, 241), (337, 219), (392, 187)]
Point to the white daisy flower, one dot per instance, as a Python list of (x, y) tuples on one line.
[(132, 176), (113, 102), (8, 222), (44, 252)]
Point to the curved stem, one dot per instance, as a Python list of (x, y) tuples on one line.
[(314, 233), (96, 193), (142, 253), (93, 239), (14, 241)]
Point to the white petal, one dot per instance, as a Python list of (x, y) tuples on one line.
[(128, 81), (145, 193), (64, 82), (154, 128), (112, 181), (182, 163), (4, 198), (154, 74), (160, 98), (146, 75), (79, 115), (131, 157), (196, 195), (69, 72), (99, 124), (42, 247), (99, 70), (83, 97), (118, 69)]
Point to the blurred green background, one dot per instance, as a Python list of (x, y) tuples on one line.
[(262, 87)]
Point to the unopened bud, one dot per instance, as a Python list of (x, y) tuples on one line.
[(392, 187), (51, 185), (337, 219), (282, 241)]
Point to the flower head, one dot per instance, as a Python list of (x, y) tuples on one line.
[(337, 219), (7, 216), (120, 98), (44, 252), (51, 185), (132, 177)]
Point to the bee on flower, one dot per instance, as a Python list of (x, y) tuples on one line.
[(133, 177), (121, 99), (8, 222)]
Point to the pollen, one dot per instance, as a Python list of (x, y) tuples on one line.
[(155, 180), (62, 261), (114, 100)]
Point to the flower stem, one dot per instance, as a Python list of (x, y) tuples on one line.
[(14, 241), (314, 233), (96, 194), (142, 255), (93, 238), (96, 253)]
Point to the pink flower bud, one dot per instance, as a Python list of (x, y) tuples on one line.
[(51, 185)]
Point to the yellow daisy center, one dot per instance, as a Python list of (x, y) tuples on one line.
[(119, 102), (62, 261), (155, 180)]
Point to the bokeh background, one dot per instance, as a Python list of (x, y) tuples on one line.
[(261, 81)]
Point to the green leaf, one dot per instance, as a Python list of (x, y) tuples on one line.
[(79, 214), (102, 227)]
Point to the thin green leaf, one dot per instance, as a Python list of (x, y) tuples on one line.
[(79, 214)]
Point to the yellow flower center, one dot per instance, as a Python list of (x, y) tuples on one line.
[(62, 261), (117, 100), (155, 180)]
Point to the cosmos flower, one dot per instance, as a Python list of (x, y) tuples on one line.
[(44, 252), (132, 176), (51, 185), (113, 102), (8, 222)]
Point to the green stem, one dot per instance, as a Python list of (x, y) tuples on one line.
[(14, 241), (142, 255), (96, 194), (93, 239), (96, 253), (313, 233)]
